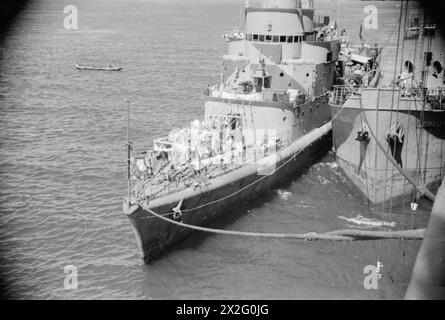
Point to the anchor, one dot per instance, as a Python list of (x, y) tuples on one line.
[(177, 214)]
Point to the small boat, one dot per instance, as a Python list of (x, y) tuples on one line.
[(109, 68)]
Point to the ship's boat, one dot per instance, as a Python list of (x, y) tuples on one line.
[(109, 68), (267, 119), (389, 137)]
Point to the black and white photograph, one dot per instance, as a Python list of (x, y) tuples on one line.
[(222, 150)]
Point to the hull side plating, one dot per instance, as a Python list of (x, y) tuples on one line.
[(420, 151), (155, 235)]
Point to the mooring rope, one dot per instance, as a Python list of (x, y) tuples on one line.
[(339, 235)]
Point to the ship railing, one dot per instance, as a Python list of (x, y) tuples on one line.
[(277, 95), (341, 93), (434, 97), (145, 179), (235, 94), (290, 4)]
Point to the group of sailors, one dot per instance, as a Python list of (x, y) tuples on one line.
[(356, 74), (330, 33), (234, 35), (217, 141)]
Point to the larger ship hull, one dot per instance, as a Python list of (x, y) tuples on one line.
[(419, 151), (221, 195)]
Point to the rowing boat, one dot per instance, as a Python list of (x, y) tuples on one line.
[(110, 68)]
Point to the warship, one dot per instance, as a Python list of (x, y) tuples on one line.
[(389, 134), (267, 119)]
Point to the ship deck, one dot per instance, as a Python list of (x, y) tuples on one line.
[(169, 179)]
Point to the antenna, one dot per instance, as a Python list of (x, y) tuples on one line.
[(128, 152)]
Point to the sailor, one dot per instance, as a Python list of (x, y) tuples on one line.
[(141, 166), (227, 150), (404, 79), (149, 164), (207, 90), (204, 147), (196, 163), (194, 137), (238, 144)]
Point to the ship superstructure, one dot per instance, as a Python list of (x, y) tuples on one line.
[(266, 119)]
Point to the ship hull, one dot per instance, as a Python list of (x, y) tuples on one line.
[(155, 236), (420, 152)]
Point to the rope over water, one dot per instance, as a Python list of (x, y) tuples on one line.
[(339, 235)]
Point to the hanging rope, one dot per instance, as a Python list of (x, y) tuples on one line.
[(339, 235)]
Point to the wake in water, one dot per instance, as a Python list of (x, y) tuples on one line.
[(368, 223), (330, 165), (284, 195)]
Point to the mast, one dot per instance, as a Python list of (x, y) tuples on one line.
[(420, 46), (128, 151)]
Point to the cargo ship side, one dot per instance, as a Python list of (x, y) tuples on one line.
[(389, 135)]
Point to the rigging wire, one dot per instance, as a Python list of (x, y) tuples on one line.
[(392, 107), (422, 188)]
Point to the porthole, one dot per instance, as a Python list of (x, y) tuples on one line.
[(281, 74), (409, 67), (437, 67), (307, 75)]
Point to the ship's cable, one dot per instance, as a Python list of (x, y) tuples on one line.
[(339, 235)]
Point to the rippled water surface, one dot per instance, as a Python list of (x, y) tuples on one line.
[(62, 164)]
